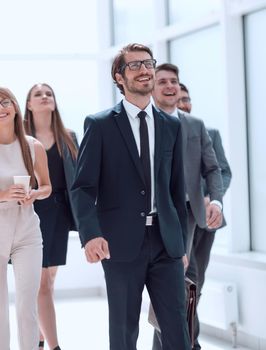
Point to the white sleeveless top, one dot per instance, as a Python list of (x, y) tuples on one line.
[(11, 161)]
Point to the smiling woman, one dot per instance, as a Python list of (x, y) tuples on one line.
[(7, 112), (20, 237)]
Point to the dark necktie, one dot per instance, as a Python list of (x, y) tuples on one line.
[(145, 156)]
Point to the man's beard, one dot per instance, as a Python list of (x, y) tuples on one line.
[(142, 91)]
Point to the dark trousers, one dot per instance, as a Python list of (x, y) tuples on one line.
[(157, 337), (199, 260), (164, 279), (191, 230)]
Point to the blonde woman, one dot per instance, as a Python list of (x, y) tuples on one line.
[(43, 121), (20, 235)]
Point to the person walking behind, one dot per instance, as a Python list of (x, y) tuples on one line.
[(199, 163), (42, 120), (204, 237), (20, 236)]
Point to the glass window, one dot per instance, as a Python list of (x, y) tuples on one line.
[(133, 20), (49, 27), (255, 51), (180, 10), (77, 95), (199, 57)]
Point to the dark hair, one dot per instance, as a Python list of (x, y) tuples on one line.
[(61, 134), (118, 65), (184, 88), (168, 67), (20, 133)]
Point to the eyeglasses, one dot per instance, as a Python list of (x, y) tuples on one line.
[(6, 103), (135, 65), (184, 100)]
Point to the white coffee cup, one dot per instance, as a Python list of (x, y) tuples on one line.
[(23, 180)]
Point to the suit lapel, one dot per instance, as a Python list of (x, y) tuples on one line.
[(123, 123), (184, 127), (158, 150)]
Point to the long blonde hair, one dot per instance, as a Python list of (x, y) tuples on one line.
[(61, 135), (20, 133)]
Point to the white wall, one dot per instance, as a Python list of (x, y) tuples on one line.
[(248, 271)]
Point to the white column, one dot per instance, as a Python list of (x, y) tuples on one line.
[(104, 34), (232, 32)]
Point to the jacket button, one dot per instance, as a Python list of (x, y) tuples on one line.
[(143, 192), (142, 214)]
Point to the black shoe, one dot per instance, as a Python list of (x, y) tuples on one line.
[(41, 344)]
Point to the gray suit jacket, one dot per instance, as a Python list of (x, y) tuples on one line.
[(220, 155), (199, 162), (223, 163)]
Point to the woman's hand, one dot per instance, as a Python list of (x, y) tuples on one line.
[(30, 197), (13, 193)]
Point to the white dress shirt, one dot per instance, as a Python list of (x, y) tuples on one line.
[(132, 113)]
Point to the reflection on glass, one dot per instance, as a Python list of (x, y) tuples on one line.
[(180, 10), (255, 25), (200, 61), (132, 19)]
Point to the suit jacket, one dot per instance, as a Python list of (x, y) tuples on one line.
[(69, 169), (199, 162), (221, 158), (223, 163), (109, 188)]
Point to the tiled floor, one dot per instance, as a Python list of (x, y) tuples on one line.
[(83, 324)]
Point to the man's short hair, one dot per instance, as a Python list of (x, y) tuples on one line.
[(184, 88), (118, 65), (168, 67)]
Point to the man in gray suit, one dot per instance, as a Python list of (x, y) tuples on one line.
[(199, 157), (203, 237), (199, 160)]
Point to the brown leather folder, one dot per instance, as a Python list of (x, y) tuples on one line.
[(191, 302)]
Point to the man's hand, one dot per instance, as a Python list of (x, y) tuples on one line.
[(96, 250), (213, 216)]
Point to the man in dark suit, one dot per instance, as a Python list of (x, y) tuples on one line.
[(130, 204), (199, 160), (204, 237)]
